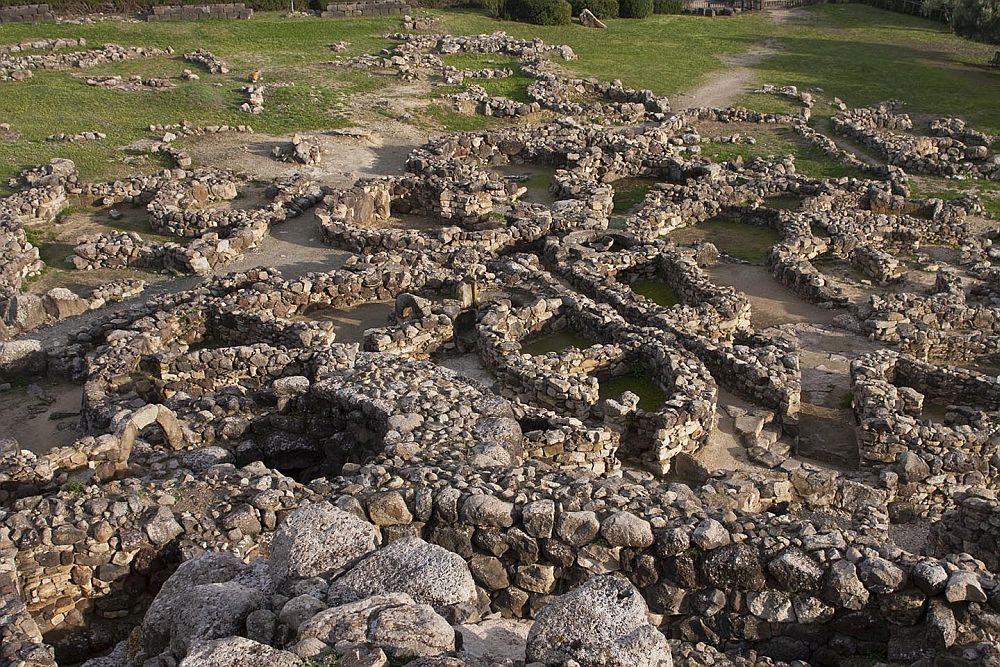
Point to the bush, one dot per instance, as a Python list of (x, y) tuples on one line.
[(495, 8), (668, 6), (539, 12), (602, 9), (977, 19), (635, 9)]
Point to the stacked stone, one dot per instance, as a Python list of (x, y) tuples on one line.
[(173, 210), (832, 150), (22, 641), (346, 8), (301, 150), (933, 461), (118, 290), (420, 22), (80, 136), (942, 325), (956, 128), (43, 44), (945, 154), (127, 543), (455, 76), (187, 129), (715, 311), (232, 10), (970, 527), (418, 338), (212, 63), (26, 14), (13, 68), (616, 104), (115, 250), (130, 84), (880, 266), (255, 99), (475, 99)]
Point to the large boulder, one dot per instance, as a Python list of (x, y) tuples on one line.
[(208, 597), (318, 541), (61, 303), (238, 652), (21, 358), (426, 572), (603, 623), (589, 20), (394, 623), (24, 312)]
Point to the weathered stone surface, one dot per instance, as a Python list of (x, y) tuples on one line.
[(426, 572), (319, 540), (627, 530), (734, 567), (603, 622), (237, 652)]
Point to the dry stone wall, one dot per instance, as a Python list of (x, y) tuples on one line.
[(233, 10)]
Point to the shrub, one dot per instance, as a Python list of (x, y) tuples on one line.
[(539, 12), (668, 6), (977, 19), (495, 8), (602, 9), (635, 9)]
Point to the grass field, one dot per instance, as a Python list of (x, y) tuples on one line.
[(852, 51)]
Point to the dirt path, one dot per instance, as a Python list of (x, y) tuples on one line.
[(724, 87)]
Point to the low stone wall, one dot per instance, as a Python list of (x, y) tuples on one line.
[(26, 14), (934, 460), (236, 10), (947, 153), (366, 8), (418, 338), (972, 527)]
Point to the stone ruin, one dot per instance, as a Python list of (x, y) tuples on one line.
[(302, 150), (250, 487), (233, 10)]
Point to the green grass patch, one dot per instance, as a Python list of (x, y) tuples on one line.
[(651, 396), (865, 55), (558, 341), (513, 87), (779, 141), (305, 91), (630, 193), (664, 53), (453, 121), (657, 291), (749, 243), (942, 188), (856, 52)]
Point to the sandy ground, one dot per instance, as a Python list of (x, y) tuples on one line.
[(469, 366), (724, 451), (771, 302), (41, 416), (295, 248), (724, 87), (350, 325)]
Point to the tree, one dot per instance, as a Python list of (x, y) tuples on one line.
[(977, 19), (942, 7)]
